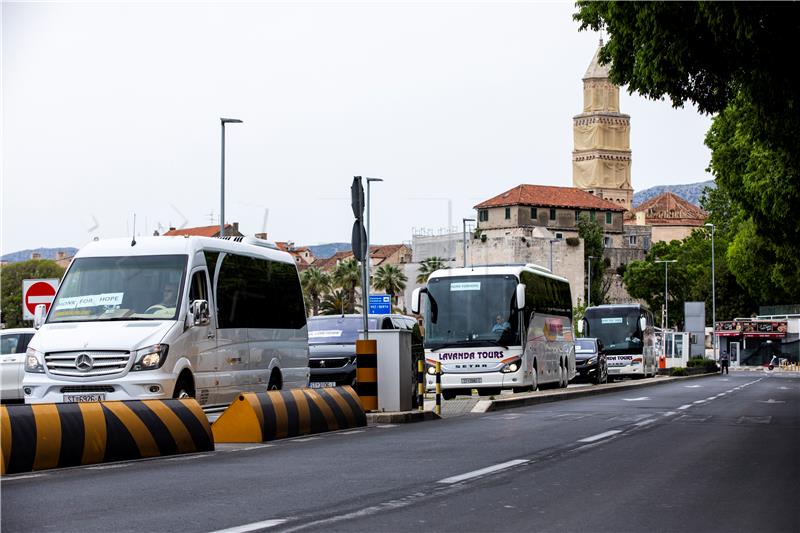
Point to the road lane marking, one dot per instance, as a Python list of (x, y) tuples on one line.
[(264, 524), (28, 476), (306, 439), (692, 386), (645, 422), (771, 401), (669, 413), (682, 407), (188, 457), (385, 425), (700, 401), (601, 436), (352, 432), (109, 467), (640, 399), (483, 471)]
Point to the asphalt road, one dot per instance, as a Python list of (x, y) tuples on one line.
[(710, 454)]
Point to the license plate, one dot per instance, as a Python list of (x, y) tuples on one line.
[(614, 370), (321, 384), (80, 398), (471, 380)]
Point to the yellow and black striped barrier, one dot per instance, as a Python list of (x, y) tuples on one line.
[(55, 435), (438, 408), (421, 384), (367, 373), (265, 416)]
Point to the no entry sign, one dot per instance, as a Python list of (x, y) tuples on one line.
[(35, 292)]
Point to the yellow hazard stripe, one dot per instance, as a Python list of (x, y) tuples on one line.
[(322, 405), (367, 375), (183, 439), (48, 436), (144, 440), (94, 433), (343, 405), (303, 412), (5, 436), (281, 415), (192, 405)]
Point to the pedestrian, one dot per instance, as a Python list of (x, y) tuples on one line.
[(724, 362)]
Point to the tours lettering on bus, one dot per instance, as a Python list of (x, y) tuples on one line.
[(455, 356)]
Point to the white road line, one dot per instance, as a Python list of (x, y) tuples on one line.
[(352, 432), (28, 476), (385, 425), (645, 422), (483, 471), (692, 386), (264, 524), (247, 448), (306, 439), (700, 401), (109, 467), (188, 457), (682, 407), (601, 436), (669, 413), (640, 399)]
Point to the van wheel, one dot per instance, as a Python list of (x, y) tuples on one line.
[(184, 388), (274, 381)]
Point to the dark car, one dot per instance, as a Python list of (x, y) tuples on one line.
[(332, 345), (590, 360)]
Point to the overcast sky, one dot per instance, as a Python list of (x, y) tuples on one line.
[(111, 109)]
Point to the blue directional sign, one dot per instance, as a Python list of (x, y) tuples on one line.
[(380, 304)]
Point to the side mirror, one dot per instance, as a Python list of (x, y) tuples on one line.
[(199, 313), (520, 296), (39, 314), (581, 325), (415, 298), (642, 323)]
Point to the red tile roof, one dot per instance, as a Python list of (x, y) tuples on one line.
[(669, 209), (202, 231), (549, 196)]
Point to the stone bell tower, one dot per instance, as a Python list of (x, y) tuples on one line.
[(601, 159)]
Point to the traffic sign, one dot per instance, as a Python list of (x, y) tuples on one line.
[(380, 304), (35, 292)]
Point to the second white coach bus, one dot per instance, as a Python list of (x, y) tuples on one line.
[(626, 331), (497, 327)]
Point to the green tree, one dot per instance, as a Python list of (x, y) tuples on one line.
[(337, 303), (391, 280), (429, 266), (728, 59), (315, 284), (11, 289), (347, 275), (592, 234)]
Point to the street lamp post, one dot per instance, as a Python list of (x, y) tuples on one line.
[(367, 258), (464, 236), (223, 121), (551, 252), (713, 295), (666, 289), (589, 296)]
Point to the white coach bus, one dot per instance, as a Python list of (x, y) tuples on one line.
[(626, 331), (497, 327), (171, 317)]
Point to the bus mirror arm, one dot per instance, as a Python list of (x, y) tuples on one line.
[(198, 313), (520, 296)]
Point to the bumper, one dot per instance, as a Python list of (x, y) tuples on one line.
[(476, 380), (132, 386), (631, 370), (341, 376)]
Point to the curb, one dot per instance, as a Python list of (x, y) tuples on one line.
[(401, 417)]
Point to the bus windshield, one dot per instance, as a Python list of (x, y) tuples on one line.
[(120, 288), (617, 328), (469, 311)]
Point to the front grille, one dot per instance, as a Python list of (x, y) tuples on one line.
[(103, 363), (328, 362), (87, 388)]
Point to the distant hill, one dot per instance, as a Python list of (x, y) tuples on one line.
[(324, 251), (691, 192), (46, 253)]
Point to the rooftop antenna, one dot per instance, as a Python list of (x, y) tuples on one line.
[(133, 240)]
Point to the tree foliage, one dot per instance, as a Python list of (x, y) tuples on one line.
[(429, 266), (11, 288), (592, 234), (728, 59), (390, 279), (347, 275), (315, 284)]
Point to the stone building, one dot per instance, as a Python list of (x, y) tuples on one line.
[(669, 216)]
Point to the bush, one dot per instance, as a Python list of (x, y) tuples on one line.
[(677, 371), (708, 364), (573, 241)]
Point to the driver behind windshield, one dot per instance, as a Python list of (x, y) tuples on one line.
[(500, 325), (168, 302)]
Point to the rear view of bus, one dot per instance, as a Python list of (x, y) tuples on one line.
[(626, 331), (497, 327)]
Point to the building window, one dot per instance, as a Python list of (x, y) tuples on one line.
[(483, 215), (606, 242), (632, 239), (508, 213), (534, 214), (559, 235), (552, 213), (577, 215), (608, 217)]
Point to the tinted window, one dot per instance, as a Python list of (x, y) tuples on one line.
[(211, 263), (257, 293), (10, 344), (199, 288), (584, 346), (337, 329)]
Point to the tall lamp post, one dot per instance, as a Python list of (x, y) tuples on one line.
[(666, 290), (464, 236), (589, 296), (367, 264), (223, 121), (551, 252), (713, 294)]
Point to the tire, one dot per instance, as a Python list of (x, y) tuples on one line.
[(274, 381), (563, 375), (519, 390), (183, 388), (535, 385)]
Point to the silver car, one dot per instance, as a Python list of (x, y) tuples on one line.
[(13, 343)]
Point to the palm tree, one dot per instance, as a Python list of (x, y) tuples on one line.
[(390, 279), (347, 275), (429, 266), (335, 303), (315, 283)]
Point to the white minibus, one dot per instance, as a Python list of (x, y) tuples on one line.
[(497, 327), (171, 317)]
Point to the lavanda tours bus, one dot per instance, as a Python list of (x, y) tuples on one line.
[(626, 331), (497, 327), (171, 317)]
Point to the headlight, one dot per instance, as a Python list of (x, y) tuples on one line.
[(590, 361), (513, 366), (431, 370), (151, 357), (33, 361)]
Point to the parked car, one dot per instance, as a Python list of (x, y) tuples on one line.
[(590, 360), (13, 343), (332, 345)]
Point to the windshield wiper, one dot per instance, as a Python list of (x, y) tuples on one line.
[(495, 343)]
